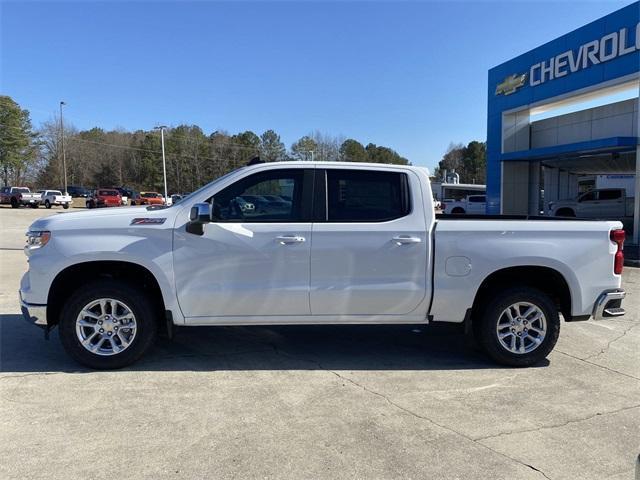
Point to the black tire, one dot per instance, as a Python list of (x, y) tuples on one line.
[(140, 306), (47, 204), (65, 206), (457, 210), (35, 205), (89, 205), (14, 202), (486, 329)]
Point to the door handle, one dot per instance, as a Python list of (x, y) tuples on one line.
[(287, 239), (403, 239)]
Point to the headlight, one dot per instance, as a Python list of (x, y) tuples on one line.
[(37, 239)]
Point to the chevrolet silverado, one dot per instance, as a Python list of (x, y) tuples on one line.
[(346, 243)]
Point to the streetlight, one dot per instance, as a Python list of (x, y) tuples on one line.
[(164, 162), (64, 156)]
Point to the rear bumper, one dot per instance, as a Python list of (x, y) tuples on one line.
[(609, 305)]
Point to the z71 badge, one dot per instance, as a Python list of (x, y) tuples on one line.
[(148, 221)]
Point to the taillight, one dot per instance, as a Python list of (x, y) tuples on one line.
[(617, 237)]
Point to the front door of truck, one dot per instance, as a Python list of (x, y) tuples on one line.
[(253, 260), (370, 245)]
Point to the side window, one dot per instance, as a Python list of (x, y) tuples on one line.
[(588, 197), (365, 196), (273, 196), (477, 199), (609, 194)]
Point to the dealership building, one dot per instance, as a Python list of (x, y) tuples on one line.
[(563, 118)]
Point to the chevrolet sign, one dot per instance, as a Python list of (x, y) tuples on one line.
[(608, 47), (511, 84)]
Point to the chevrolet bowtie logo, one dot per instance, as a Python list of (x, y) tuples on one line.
[(511, 84)]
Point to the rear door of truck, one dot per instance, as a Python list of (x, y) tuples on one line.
[(370, 248)]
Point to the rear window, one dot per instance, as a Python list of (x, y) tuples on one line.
[(55, 192), (108, 193), (21, 190), (150, 195), (365, 196)]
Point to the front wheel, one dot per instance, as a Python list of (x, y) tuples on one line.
[(107, 325), (519, 327), (47, 204)]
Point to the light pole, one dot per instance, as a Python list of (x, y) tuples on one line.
[(64, 156), (164, 162)]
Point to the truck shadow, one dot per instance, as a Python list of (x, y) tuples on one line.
[(23, 349)]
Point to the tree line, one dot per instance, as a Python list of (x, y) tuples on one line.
[(96, 157), (469, 161)]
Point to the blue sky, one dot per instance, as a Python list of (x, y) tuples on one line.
[(409, 75)]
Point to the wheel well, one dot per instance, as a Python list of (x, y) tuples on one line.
[(73, 277), (545, 279), (565, 212)]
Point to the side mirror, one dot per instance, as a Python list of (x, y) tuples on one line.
[(199, 215)]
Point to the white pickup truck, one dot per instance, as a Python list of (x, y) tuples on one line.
[(471, 205), (598, 203), (55, 197), (356, 243)]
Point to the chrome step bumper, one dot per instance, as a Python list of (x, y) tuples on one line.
[(609, 305)]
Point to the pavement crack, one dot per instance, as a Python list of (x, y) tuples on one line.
[(408, 411), (34, 374), (608, 345), (537, 470), (559, 425), (597, 365)]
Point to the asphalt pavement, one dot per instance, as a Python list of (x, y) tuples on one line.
[(316, 402)]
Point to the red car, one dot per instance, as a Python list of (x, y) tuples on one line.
[(147, 198), (104, 197)]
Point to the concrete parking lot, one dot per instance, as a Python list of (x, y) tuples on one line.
[(316, 402)]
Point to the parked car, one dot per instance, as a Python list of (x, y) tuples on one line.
[(175, 198), (126, 194), (147, 198), (55, 197), (104, 197), (471, 205), (598, 203), (360, 244), (17, 196), (76, 192)]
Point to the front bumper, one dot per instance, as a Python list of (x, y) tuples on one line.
[(609, 305), (34, 314)]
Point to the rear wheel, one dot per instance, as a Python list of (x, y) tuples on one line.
[(47, 204), (65, 206), (519, 327), (14, 203), (107, 325), (457, 210)]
